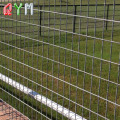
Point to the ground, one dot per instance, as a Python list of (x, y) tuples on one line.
[(7, 112)]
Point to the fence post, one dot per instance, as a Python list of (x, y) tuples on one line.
[(40, 19), (74, 20), (107, 16)]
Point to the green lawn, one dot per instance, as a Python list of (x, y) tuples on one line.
[(77, 2), (64, 2), (33, 52)]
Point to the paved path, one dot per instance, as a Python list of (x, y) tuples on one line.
[(9, 113)]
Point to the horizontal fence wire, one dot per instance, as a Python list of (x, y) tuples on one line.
[(62, 62)]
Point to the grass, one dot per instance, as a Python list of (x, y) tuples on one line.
[(20, 48), (70, 2)]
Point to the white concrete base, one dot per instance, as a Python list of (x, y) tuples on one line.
[(60, 109)]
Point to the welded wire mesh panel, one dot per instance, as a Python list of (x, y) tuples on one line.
[(62, 61)]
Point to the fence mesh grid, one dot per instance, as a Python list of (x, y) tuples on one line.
[(66, 54)]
